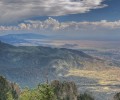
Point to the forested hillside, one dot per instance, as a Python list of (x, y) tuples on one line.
[(55, 90), (27, 65)]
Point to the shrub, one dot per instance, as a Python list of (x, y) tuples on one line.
[(117, 96), (85, 96)]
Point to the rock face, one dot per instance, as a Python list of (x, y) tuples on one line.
[(117, 96), (65, 90), (8, 89)]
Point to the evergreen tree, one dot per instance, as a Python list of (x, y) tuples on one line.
[(117, 96), (9, 96), (7, 90), (85, 96), (46, 92), (42, 92), (27, 94), (4, 88)]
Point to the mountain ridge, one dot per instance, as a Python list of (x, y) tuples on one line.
[(26, 64), (20, 38)]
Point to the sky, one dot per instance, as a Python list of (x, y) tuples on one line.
[(63, 19)]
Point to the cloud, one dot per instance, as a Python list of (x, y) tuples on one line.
[(17, 10), (54, 25), (98, 30)]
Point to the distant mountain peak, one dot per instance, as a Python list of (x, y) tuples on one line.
[(25, 36), (21, 38)]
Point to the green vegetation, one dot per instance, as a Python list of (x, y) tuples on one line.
[(85, 96), (55, 91), (42, 92), (65, 90), (46, 92), (117, 96), (8, 91)]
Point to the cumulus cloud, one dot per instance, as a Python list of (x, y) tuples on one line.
[(54, 25), (16, 10)]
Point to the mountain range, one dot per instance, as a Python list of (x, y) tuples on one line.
[(29, 65), (20, 38)]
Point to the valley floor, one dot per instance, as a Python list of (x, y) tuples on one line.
[(107, 82)]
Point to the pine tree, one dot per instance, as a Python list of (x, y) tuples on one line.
[(85, 96), (46, 92), (9, 96), (4, 88), (25, 95)]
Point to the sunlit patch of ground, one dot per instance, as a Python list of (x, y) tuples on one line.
[(104, 77), (108, 82)]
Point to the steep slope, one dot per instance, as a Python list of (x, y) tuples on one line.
[(26, 64)]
